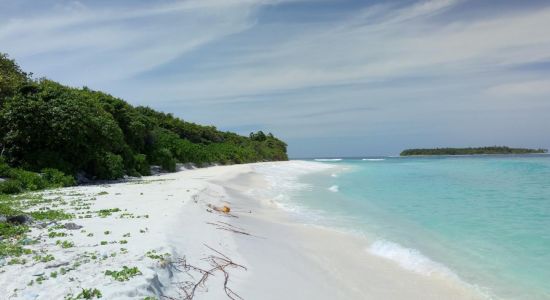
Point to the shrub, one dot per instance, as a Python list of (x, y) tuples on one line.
[(166, 160), (56, 178), (109, 166), (4, 168), (141, 164), (11, 187), (29, 180)]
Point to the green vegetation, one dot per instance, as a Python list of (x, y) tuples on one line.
[(85, 294), (49, 133), (107, 212), (12, 235), (45, 258), (8, 230), (17, 261), (55, 234), (50, 214), (125, 274), (152, 254), (471, 151), (65, 244), (20, 180)]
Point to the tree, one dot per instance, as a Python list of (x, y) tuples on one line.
[(44, 124), (11, 78)]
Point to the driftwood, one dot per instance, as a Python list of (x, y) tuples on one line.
[(226, 226), (61, 264), (219, 263)]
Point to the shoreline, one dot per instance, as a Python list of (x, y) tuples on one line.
[(166, 218), (327, 263)]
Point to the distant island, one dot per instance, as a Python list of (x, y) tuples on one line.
[(471, 151)]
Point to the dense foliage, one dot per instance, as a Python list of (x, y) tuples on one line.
[(45, 126), (20, 180), (471, 151)]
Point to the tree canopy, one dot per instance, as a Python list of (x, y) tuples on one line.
[(46, 125)]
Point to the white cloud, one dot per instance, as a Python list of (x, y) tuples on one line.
[(398, 43), (531, 88), (94, 44)]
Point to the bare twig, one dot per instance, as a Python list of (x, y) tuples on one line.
[(218, 263), (228, 227)]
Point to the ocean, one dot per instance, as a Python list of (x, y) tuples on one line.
[(484, 220)]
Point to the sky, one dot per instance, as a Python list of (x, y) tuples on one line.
[(332, 78)]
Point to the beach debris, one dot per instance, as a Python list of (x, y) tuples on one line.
[(20, 219), (42, 224), (57, 265), (72, 226), (155, 170), (219, 263), (26, 241), (228, 227), (82, 178), (224, 209)]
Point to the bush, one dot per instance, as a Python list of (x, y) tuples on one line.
[(109, 166), (20, 180), (29, 180), (11, 187), (4, 168), (141, 164), (56, 178), (166, 160)]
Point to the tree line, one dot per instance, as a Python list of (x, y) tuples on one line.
[(49, 128)]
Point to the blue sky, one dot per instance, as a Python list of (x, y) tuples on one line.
[(330, 77)]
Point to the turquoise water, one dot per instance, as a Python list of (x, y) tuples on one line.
[(485, 219)]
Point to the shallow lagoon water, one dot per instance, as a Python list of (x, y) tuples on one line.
[(484, 219)]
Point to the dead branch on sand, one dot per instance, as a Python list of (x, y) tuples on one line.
[(219, 263), (226, 226)]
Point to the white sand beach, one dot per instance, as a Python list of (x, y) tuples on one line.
[(154, 222)]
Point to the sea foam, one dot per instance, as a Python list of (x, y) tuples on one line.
[(328, 159), (407, 258), (283, 179), (333, 188)]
